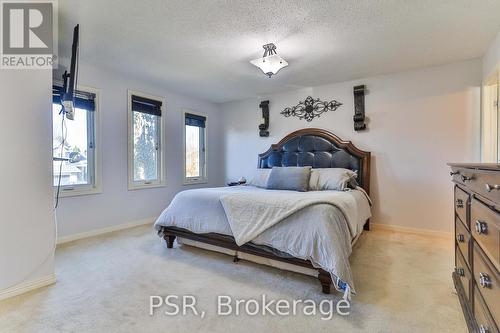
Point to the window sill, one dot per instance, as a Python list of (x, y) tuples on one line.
[(65, 193), (195, 182), (133, 187)]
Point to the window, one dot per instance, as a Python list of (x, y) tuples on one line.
[(74, 145), (145, 137), (195, 154)]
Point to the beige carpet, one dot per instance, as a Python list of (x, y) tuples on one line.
[(104, 283)]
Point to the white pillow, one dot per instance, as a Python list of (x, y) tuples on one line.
[(260, 178), (331, 179), (313, 180)]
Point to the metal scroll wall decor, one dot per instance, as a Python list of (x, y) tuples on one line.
[(264, 127), (310, 108), (359, 108)]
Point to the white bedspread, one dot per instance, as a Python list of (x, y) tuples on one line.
[(319, 232)]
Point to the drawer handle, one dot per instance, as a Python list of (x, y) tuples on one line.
[(460, 203), (460, 271), (460, 238), (483, 329), (453, 173), (484, 280), (489, 187), (481, 227), (465, 178)]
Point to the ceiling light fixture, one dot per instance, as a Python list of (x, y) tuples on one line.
[(271, 62)]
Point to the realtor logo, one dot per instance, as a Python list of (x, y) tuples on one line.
[(28, 36)]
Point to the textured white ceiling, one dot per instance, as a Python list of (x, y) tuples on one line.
[(202, 48)]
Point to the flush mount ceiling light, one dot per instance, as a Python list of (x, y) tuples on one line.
[(271, 62)]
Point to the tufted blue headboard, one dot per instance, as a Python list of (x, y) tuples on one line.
[(320, 149)]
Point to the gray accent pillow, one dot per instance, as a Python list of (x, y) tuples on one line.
[(289, 178), (260, 178)]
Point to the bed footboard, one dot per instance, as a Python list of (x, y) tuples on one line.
[(325, 279), (170, 240), (169, 234), (367, 225)]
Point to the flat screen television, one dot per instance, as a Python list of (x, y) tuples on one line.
[(70, 79)]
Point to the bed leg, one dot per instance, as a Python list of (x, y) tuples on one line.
[(326, 281), (367, 225), (170, 241)]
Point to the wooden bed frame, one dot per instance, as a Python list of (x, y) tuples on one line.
[(363, 157)]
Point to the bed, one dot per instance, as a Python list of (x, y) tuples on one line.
[(308, 232)]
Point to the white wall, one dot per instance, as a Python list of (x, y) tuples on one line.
[(418, 121), (26, 217), (116, 205), (491, 59)]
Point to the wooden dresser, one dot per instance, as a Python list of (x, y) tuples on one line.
[(477, 246)]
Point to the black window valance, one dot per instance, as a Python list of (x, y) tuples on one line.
[(83, 100), (146, 105), (195, 120)]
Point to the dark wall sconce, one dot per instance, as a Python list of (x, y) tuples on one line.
[(359, 108), (264, 128)]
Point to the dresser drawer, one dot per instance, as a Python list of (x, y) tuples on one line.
[(487, 279), (461, 204), (484, 321), (486, 183), (462, 239), (463, 273), (486, 230)]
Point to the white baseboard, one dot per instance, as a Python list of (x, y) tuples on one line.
[(24, 287), (415, 231), (96, 232)]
